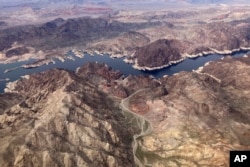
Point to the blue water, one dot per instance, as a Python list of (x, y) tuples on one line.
[(117, 64)]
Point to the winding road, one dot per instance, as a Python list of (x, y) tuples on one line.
[(143, 124)]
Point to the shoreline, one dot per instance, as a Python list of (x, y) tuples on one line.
[(10, 87), (134, 66), (144, 68), (126, 59), (4, 80), (188, 56)]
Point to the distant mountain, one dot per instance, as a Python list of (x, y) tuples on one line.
[(19, 2), (182, 1), (74, 1), (206, 1), (218, 1)]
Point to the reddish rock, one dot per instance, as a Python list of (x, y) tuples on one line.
[(99, 69), (139, 106)]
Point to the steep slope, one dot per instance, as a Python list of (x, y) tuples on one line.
[(148, 39), (190, 119), (60, 33), (204, 115), (158, 53), (63, 120)]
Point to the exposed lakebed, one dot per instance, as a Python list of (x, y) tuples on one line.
[(116, 63)]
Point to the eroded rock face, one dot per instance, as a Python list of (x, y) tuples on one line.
[(99, 69), (115, 90), (17, 52), (124, 44), (204, 115), (237, 68), (133, 83), (8, 100), (60, 119), (158, 53), (149, 40), (139, 106), (113, 82)]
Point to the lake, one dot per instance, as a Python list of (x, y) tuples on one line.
[(117, 64)]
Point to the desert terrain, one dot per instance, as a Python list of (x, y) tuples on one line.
[(96, 116)]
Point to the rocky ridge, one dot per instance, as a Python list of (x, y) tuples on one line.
[(190, 33), (158, 53), (204, 115), (195, 118), (59, 117), (54, 120)]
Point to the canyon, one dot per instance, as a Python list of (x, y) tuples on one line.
[(131, 34), (96, 115), (89, 117)]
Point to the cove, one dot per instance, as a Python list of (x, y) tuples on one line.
[(116, 63)]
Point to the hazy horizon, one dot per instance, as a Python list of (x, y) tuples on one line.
[(180, 2)]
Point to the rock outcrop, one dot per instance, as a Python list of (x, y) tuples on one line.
[(204, 116), (158, 53), (98, 69), (58, 118), (150, 40)]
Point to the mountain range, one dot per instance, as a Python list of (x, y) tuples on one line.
[(27, 2), (96, 116)]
